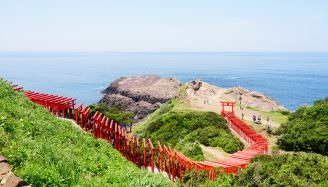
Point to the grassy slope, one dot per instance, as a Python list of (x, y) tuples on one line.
[(46, 151), (185, 129), (280, 117)]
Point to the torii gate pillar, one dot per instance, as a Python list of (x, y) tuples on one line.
[(228, 104)]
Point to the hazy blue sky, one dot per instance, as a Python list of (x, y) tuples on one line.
[(163, 25)]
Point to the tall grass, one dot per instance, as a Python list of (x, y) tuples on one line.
[(46, 151)]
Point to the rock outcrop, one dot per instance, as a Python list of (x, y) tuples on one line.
[(140, 94), (7, 177), (254, 99), (204, 96)]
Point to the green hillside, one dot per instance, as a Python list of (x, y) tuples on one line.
[(184, 130), (46, 151), (299, 169), (306, 129)]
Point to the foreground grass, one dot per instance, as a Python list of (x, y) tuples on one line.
[(46, 151)]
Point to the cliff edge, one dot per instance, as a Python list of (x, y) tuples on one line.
[(140, 94)]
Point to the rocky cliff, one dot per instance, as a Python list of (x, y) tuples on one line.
[(254, 99), (140, 94)]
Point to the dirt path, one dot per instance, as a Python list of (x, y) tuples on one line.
[(74, 124), (213, 153)]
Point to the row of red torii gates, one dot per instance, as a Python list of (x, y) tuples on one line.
[(164, 159)]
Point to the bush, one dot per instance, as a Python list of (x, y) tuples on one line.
[(284, 112), (193, 178), (307, 129), (114, 113), (214, 137), (193, 150), (301, 169), (172, 126), (102, 108), (285, 170)]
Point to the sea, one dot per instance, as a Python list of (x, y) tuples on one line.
[(293, 79)]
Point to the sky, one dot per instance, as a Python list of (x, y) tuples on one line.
[(164, 25)]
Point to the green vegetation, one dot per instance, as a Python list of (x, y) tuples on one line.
[(301, 169), (114, 113), (186, 129), (278, 116), (46, 151), (307, 129)]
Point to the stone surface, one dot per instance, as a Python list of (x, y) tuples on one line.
[(7, 177), (254, 99), (140, 94), (208, 97)]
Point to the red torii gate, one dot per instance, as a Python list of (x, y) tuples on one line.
[(52, 102), (227, 104)]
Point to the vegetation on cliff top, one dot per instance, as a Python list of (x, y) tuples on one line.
[(113, 112), (184, 130), (306, 129), (46, 151)]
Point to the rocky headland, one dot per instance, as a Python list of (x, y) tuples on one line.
[(209, 94), (141, 95)]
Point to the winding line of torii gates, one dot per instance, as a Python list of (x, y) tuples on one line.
[(143, 153)]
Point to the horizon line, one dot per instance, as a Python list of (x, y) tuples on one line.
[(100, 51)]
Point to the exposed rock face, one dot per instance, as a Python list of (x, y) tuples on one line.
[(140, 94), (7, 177), (254, 99), (195, 85)]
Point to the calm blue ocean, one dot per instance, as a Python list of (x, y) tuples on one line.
[(293, 79)]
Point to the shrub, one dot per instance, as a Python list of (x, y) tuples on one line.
[(284, 112), (285, 170), (194, 178), (172, 126), (307, 129), (114, 113), (301, 169), (193, 150), (102, 108)]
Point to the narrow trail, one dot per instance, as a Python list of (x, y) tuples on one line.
[(212, 153)]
